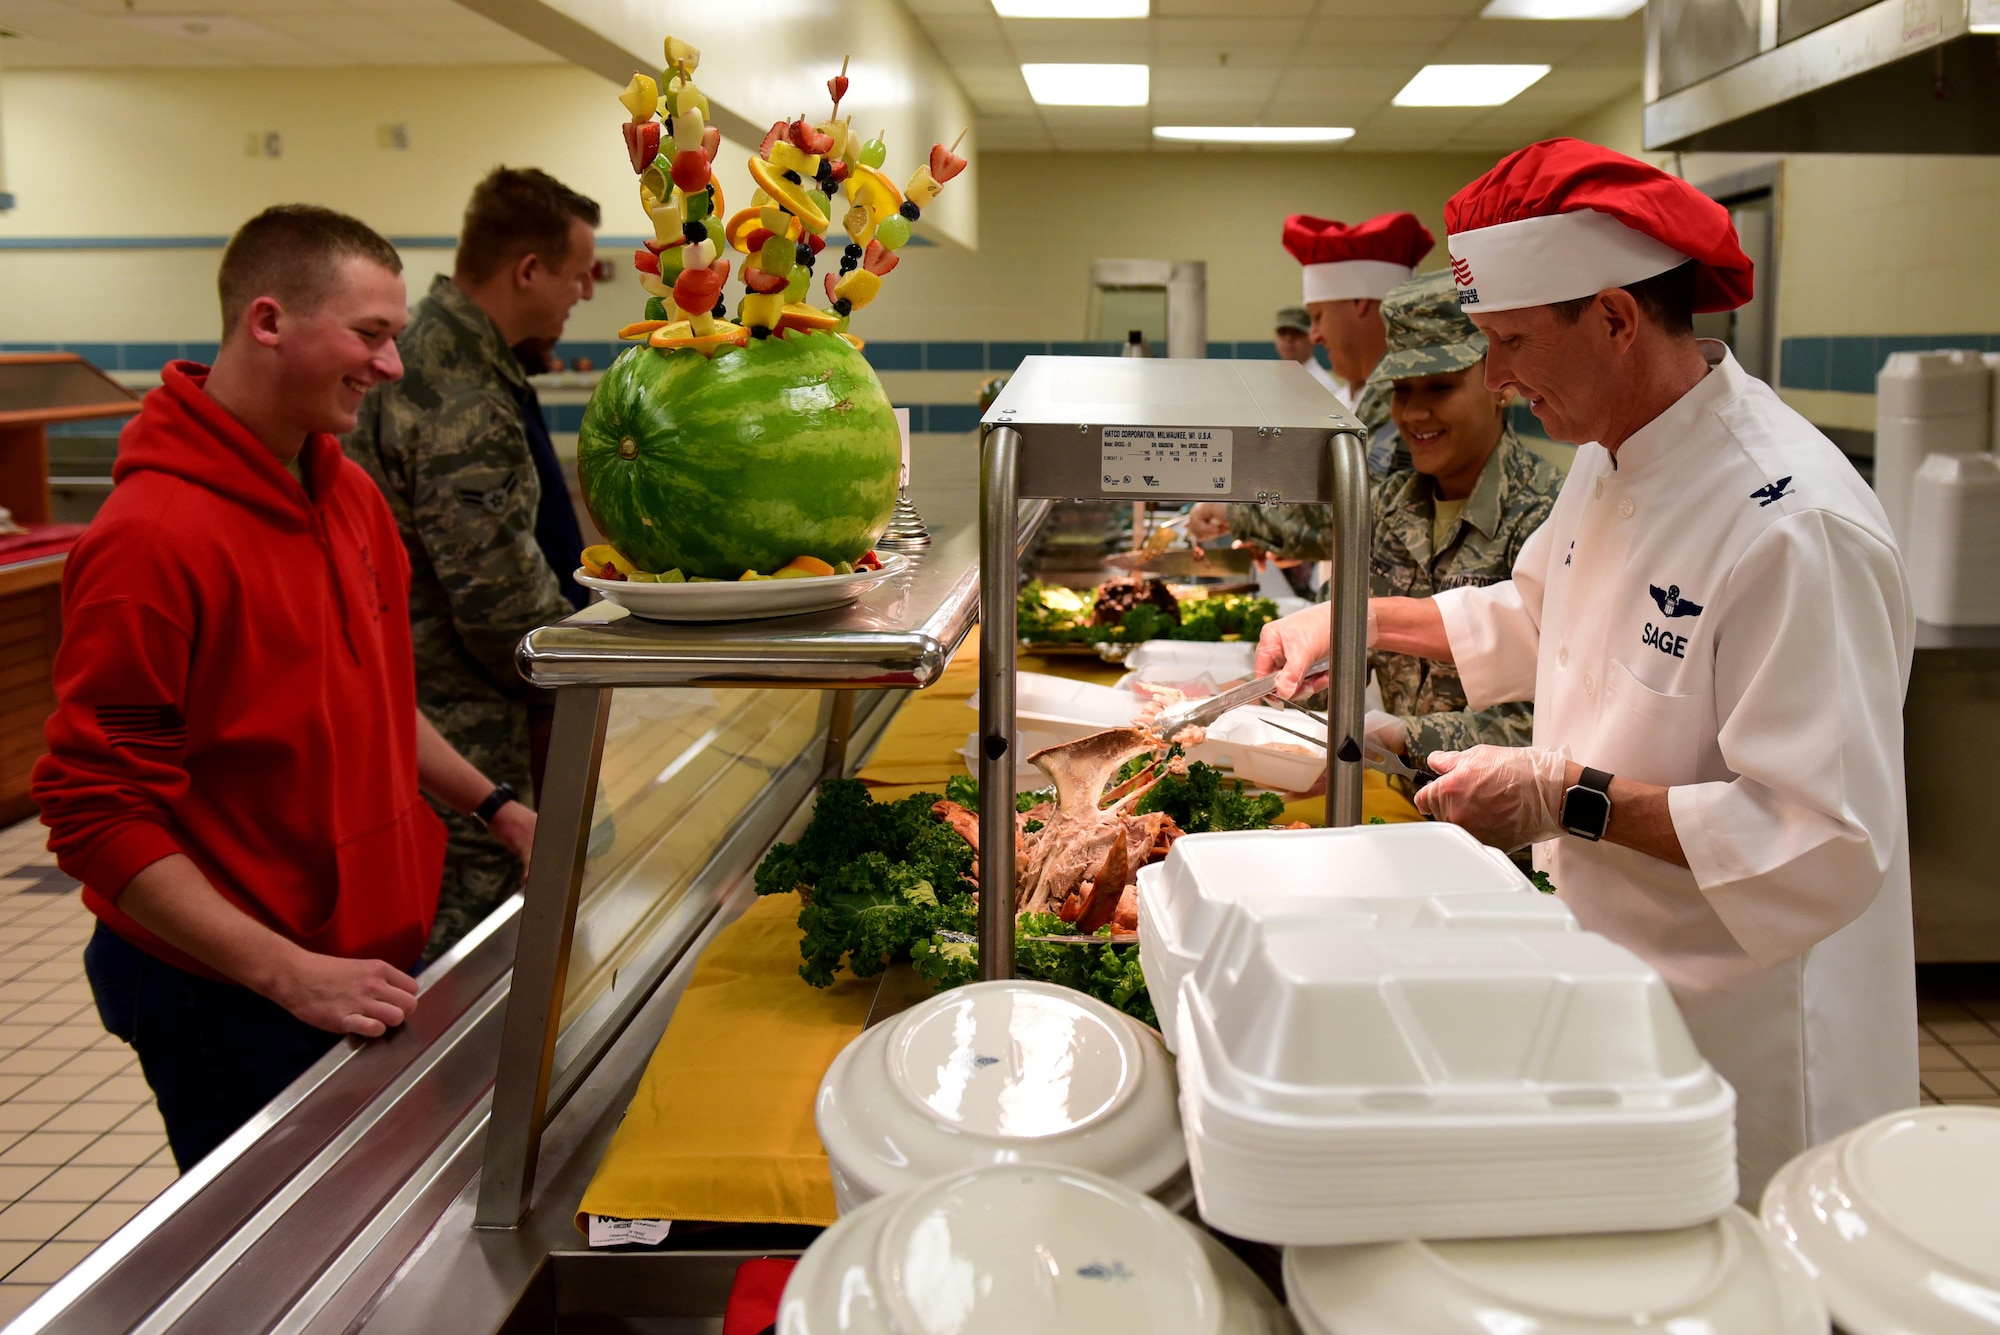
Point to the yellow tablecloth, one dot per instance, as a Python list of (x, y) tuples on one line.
[(722, 1125)]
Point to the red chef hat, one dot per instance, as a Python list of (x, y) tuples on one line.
[(1564, 219), (1364, 260)]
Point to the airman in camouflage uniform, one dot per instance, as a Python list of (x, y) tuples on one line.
[(1428, 335), (446, 445)]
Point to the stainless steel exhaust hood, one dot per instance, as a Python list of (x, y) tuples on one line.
[(1823, 76)]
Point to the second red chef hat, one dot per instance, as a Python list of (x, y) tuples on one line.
[(1362, 261), (1563, 219)]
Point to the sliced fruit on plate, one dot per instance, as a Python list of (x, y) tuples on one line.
[(605, 562), (802, 567)]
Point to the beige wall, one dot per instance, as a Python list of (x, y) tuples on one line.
[(1867, 245), (1043, 218)]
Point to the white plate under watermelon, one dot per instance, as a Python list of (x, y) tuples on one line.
[(732, 600)]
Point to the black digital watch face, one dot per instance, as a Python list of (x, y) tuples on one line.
[(1586, 812)]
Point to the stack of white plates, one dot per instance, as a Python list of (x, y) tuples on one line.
[(1725, 1277), (1899, 1221), (1002, 1072), (1367, 876), (1341, 1086), (1023, 1248)]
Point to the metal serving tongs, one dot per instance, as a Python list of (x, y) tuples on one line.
[(1373, 756), (1200, 713)]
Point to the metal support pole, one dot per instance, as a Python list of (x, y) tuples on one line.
[(1347, 677), (999, 570), (839, 728), (541, 960)]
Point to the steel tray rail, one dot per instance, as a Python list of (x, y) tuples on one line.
[(1261, 432), (900, 635)]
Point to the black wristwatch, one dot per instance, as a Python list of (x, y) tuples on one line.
[(1587, 807), (500, 797)]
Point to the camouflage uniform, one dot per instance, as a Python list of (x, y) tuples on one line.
[(446, 445), (1513, 496), (1428, 335)]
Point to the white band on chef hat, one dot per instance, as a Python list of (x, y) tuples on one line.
[(1349, 280), (1557, 257)]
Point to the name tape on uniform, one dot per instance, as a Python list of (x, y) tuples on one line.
[(1166, 460)]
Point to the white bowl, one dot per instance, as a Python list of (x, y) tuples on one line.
[(1358, 873), (1899, 1220), (1002, 1072), (734, 600), (1725, 1277), (1008, 1249)]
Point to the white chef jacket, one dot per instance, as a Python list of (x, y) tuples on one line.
[(1724, 611)]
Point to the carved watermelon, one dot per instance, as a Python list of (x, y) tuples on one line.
[(714, 466)]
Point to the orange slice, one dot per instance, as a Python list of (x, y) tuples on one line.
[(854, 341), (806, 319), (882, 196), (641, 328), (795, 199), (724, 335), (746, 221)]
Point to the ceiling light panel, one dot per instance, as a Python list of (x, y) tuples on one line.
[(1254, 134), (1089, 85), (1467, 85), (1561, 9), (1072, 9)]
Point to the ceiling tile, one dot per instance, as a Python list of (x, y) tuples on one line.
[(1230, 9)]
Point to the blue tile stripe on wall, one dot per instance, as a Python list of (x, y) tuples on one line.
[(1843, 364)]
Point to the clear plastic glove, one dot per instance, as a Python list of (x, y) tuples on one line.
[(1506, 796), (1387, 731), (1291, 646)]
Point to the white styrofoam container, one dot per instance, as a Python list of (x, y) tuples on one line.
[(1366, 877), (1066, 709), (1926, 403), (1952, 549), (1196, 667), (1265, 754), (1341, 1087)]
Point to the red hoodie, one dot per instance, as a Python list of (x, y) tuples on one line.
[(235, 683)]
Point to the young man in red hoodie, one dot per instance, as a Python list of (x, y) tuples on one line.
[(236, 762)]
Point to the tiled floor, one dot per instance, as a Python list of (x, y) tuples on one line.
[(1958, 1011), (81, 1145)]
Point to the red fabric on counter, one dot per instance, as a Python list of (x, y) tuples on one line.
[(40, 541), (754, 1295), (235, 683)]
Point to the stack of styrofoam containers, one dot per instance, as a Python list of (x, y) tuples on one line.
[(1927, 403), (1342, 1086), (1952, 549), (1367, 876)]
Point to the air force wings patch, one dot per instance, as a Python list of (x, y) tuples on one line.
[(1671, 603)]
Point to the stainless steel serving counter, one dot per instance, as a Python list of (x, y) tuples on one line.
[(401, 1185)]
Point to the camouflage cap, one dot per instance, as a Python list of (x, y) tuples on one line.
[(1428, 332), (1294, 317)]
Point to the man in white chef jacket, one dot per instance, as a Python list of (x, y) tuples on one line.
[(1715, 628)]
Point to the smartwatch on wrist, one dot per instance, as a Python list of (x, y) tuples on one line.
[(1587, 807), (504, 793)]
